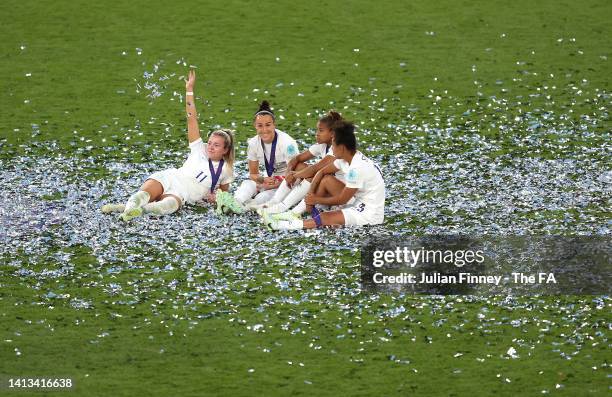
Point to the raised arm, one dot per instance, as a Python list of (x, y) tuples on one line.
[(193, 130)]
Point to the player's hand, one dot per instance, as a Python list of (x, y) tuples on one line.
[(211, 198), (290, 178), (269, 180), (270, 184), (190, 82), (310, 199)]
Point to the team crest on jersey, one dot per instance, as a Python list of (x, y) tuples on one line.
[(291, 150), (352, 175)]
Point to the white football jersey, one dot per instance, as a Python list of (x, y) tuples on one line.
[(286, 149), (321, 150), (196, 166), (364, 175)]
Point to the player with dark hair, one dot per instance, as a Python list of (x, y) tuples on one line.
[(361, 198), (297, 182), (270, 147)]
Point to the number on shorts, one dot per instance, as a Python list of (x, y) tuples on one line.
[(360, 207)]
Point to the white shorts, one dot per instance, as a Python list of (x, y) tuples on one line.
[(182, 186), (356, 215)]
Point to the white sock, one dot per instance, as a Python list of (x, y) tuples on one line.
[(282, 192), (297, 194), (137, 200), (108, 208), (295, 224), (300, 208), (263, 197), (163, 207), (245, 191), (275, 208)]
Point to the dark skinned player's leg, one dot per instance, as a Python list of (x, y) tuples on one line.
[(329, 218), (330, 186)]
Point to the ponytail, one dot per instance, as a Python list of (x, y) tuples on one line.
[(264, 109)]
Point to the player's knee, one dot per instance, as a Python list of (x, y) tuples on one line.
[(327, 178)]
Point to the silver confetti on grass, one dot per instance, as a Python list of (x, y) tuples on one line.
[(445, 174)]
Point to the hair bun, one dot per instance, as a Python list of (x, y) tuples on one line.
[(331, 118), (335, 116), (265, 105)]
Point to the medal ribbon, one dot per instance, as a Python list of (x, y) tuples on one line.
[(270, 164), (215, 175)]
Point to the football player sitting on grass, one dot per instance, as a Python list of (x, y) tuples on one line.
[(361, 199)]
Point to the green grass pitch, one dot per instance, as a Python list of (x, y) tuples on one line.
[(516, 94)]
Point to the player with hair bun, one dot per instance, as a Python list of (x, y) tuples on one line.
[(361, 198), (209, 168), (270, 147), (297, 183)]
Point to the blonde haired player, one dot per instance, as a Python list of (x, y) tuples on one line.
[(208, 167), (364, 184), (270, 147)]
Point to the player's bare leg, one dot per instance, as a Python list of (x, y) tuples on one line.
[(329, 186), (330, 218)]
